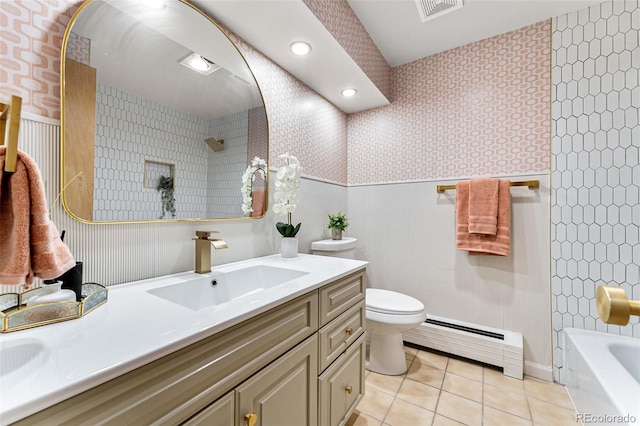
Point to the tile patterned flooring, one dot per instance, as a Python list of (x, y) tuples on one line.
[(438, 390)]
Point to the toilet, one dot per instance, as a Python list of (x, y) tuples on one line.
[(388, 315)]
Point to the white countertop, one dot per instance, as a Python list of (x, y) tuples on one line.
[(42, 366)]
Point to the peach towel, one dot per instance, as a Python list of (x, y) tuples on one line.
[(257, 202), (483, 206), (499, 244), (30, 244)]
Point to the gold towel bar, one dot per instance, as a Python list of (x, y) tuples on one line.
[(531, 184)]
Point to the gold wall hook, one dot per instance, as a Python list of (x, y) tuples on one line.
[(614, 307), (9, 129)]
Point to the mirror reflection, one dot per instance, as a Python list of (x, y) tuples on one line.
[(161, 115)]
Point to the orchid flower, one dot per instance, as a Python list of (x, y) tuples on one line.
[(286, 186)]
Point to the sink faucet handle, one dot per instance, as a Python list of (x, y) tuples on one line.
[(204, 235)]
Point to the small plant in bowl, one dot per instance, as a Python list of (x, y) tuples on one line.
[(337, 223)]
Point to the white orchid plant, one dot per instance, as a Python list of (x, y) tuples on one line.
[(257, 167), (287, 184)]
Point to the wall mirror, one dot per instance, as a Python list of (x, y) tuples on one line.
[(161, 115)]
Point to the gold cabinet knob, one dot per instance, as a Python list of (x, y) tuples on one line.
[(349, 331), (251, 419), (349, 389)]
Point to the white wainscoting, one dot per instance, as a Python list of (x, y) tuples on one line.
[(407, 232)]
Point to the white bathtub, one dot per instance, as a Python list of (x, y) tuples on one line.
[(602, 375)]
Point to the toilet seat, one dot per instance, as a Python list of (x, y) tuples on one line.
[(392, 303)]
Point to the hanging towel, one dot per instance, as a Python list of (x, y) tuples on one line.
[(483, 206), (499, 244), (30, 244), (257, 202)]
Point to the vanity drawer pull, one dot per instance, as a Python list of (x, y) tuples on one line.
[(251, 419), (349, 331), (349, 389)]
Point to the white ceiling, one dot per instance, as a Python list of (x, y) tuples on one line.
[(394, 25)]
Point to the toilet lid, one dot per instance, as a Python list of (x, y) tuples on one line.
[(391, 302)]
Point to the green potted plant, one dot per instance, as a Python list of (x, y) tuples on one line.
[(337, 223)]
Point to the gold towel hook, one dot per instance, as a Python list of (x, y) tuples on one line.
[(613, 305), (9, 128)]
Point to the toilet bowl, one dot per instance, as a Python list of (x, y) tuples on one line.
[(389, 314)]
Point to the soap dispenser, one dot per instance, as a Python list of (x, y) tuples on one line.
[(52, 292)]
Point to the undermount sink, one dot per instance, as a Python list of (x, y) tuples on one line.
[(219, 287), (20, 355)]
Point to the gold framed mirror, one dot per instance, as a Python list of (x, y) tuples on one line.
[(133, 106)]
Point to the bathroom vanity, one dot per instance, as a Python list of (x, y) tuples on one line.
[(279, 353)]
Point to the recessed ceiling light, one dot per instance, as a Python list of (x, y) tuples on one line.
[(199, 63), (349, 92), (300, 48)]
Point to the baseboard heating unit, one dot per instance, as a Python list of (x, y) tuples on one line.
[(501, 348)]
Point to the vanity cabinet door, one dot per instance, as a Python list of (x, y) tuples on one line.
[(285, 393), (341, 386), (220, 413)]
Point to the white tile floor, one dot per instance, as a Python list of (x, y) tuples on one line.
[(438, 390)]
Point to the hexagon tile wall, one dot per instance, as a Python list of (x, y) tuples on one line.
[(163, 134), (595, 211)]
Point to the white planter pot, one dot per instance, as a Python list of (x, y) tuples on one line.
[(289, 246)]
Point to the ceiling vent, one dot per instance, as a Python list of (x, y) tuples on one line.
[(430, 9)]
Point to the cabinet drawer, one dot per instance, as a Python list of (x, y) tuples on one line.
[(338, 297), (336, 336), (220, 413), (172, 389), (341, 386)]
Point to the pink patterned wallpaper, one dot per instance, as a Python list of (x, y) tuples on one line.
[(257, 133), (300, 121), (342, 22), (480, 109), (79, 48), (30, 40)]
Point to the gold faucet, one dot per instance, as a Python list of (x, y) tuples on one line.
[(613, 305), (203, 250)]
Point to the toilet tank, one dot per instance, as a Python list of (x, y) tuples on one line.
[(344, 248)]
